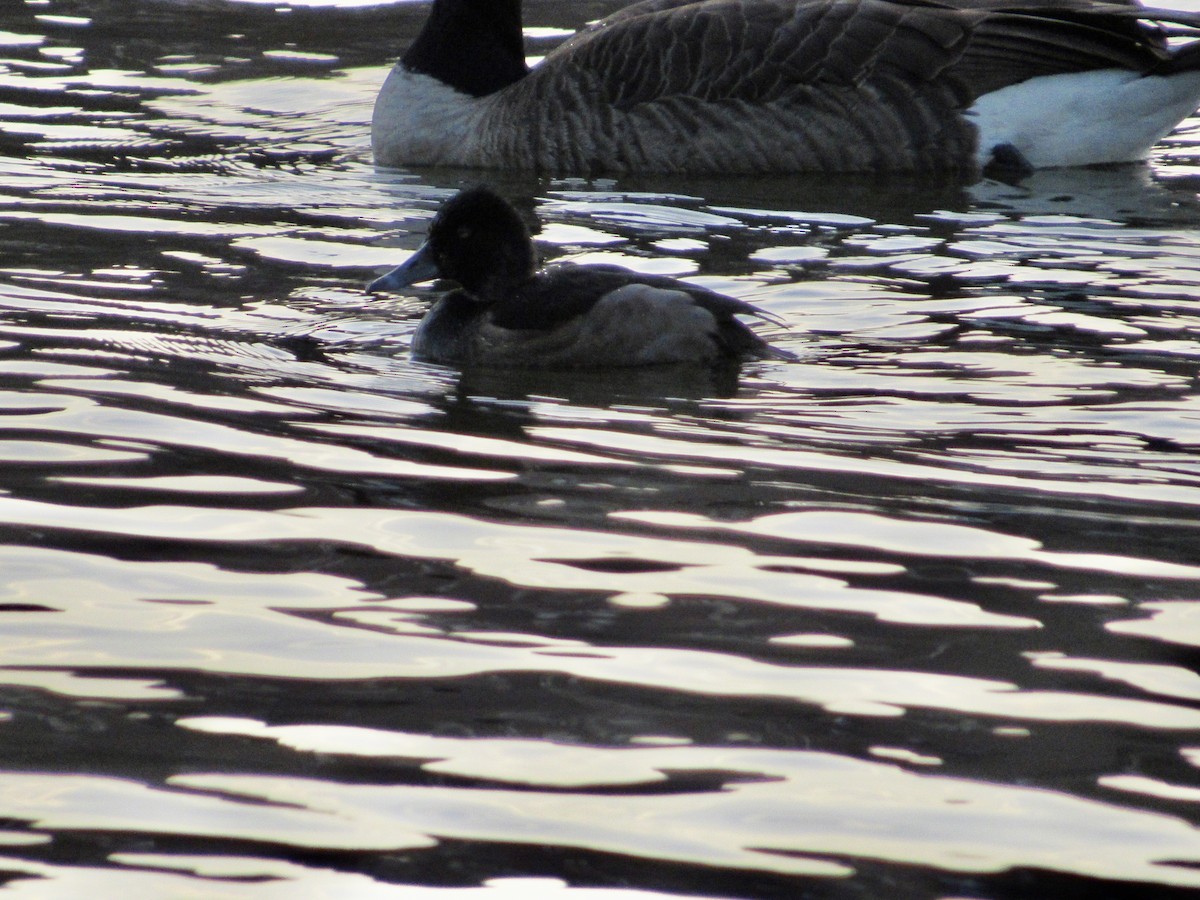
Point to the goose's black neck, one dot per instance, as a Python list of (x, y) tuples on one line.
[(474, 46)]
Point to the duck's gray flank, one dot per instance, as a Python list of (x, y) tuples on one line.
[(507, 312), (755, 86)]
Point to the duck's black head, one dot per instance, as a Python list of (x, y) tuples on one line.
[(476, 239), (480, 241)]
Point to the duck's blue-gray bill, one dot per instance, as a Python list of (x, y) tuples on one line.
[(417, 268)]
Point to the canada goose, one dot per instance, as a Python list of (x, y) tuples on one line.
[(506, 312), (761, 86)]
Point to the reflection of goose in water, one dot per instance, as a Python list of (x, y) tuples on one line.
[(506, 312), (755, 86), (1124, 194)]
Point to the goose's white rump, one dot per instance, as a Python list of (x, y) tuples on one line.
[(767, 86), (1106, 116)]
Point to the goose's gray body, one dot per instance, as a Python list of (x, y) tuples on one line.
[(761, 86)]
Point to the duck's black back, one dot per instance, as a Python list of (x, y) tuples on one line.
[(557, 294)]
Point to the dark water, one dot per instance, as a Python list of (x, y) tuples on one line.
[(286, 614)]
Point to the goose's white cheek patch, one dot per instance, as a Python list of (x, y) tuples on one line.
[(1082, 118)]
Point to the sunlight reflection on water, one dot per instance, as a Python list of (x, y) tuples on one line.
[(289, 614)]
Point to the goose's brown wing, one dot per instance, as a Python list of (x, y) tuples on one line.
[(761, 50)]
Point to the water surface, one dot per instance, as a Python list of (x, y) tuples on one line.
[(284, 613)]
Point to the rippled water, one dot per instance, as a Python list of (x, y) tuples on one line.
[(284, 613)]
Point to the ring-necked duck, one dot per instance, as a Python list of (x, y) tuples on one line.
[(507, 312), (764, 86)]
